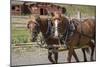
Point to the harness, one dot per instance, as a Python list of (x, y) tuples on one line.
[(81, 33), (47, 34), (49, 29), (69, 31)]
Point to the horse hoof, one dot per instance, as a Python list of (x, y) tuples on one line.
[(54, 63), (77, 61), (85, 60), (92, 60), (69, 61)]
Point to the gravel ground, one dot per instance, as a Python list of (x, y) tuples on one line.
[(36, 55)]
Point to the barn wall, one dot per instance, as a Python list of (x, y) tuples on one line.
[(39, 9)]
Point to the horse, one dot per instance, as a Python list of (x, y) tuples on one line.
[(83, 35), (77, 33), (43, 25), (61, 21)]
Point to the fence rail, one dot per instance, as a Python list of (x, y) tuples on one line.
[(21, 21)]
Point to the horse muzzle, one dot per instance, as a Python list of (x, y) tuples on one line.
[(33, 40), (55, 36)]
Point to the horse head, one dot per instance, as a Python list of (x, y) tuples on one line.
[(60, 24), (33, 28)]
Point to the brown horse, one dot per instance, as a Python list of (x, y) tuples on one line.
[(59, 31), (33, 28), (42, 23), (83, 36), (78, 33)]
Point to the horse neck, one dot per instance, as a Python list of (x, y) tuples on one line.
[(43, 26)]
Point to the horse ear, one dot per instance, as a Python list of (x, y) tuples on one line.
[(63, 10), (52, 14)]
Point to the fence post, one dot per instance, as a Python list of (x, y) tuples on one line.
[(78, 15)]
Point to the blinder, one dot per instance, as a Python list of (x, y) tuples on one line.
[(71, 28), (49, 29), (69, 31)]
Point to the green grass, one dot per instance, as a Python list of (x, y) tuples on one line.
[(19, 35)]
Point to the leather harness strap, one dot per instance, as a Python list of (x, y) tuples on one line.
[(48, 32), (80, 35)]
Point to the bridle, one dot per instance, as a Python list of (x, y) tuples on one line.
[(66, 34), (37, 27)]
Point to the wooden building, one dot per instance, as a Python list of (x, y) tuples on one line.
[(38, 8)]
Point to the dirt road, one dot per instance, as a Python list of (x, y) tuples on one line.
[(36, 55)]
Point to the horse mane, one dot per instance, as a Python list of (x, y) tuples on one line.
[(89, 19)]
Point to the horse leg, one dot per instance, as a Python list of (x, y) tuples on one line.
[(50, 56), (83, 50), (75, 55), (69, 55), (92, 50), (56, 55)]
